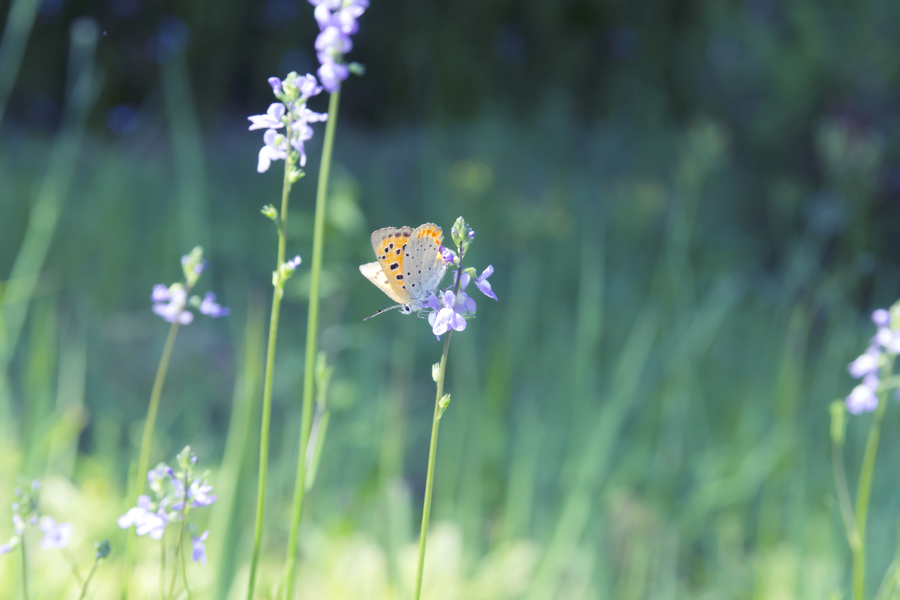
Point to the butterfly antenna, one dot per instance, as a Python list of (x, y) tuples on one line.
[(384, 310)]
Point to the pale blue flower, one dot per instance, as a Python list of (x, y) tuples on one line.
[(199, 547), (881, 317), (275, 149), (865, 364), (56, 535), (271, 120), (170, 305), (209, 307), (861, 399)]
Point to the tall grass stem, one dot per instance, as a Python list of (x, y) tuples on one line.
[(267, 385), (312, 326)]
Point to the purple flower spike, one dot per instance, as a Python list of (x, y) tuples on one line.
[(55, 535), (270, 120), (211, 308), (199, 548), (483, 285), (861, 399)]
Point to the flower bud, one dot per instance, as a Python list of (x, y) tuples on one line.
[(443, 404), (103, 549), (269, 211), (435, 371)]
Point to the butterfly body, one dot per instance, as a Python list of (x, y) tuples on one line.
[(409, 266)]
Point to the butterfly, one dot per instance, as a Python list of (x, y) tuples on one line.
[(409, 267)]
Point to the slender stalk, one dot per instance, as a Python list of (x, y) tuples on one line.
[(267, 385), (146, 442), (179, 546), (71, 560), (862, 496), (184, 574), (24, 570), (87, 581), (840, 479), (162, 566), (312, 325), (178, 550), (432, 452), (152, 410)]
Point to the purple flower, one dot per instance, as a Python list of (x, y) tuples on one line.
[(199, 548), (56, 535), (448, 255), (448, 317), (275, 149), (881, 317), (7, 548), (305, 132), (861, 399), (211, 308), (160, 293), (865, 364), (270, 120), (481, 282), (883, 337), (294, 263), (276, 84), (331, 74), (153, 524), (199, 494), (173, 309), (135, 515)]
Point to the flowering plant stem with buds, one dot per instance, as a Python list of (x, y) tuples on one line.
[(439, 406), (270, 367), (312, 326)]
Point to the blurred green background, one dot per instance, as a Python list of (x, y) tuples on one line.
[(690, 207)]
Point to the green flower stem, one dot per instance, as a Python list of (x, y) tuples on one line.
[(87, 581), (24, 570), (152, 410), (432, 452), (312, 325), (179, 547), (862, 496), (140, 475), (267, 385)]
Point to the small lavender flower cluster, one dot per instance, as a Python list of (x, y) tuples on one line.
[(26, 514), (337, 21), (883, 349), (175, 494), (292, 114), (170, 302), (448, 309)]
